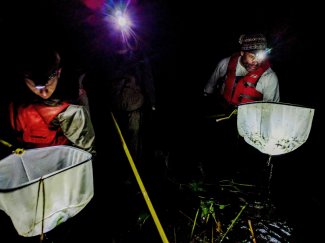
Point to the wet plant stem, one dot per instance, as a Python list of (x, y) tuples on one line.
[(193, 227), (251, 230), (233, 222), (210, 210), (185, 216)]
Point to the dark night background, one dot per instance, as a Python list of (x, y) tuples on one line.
[(185, 41)]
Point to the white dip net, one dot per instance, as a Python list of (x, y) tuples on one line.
[(44, 187), (274, 128)]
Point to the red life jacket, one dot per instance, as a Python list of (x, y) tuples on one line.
[(244, 90), (33, 122)]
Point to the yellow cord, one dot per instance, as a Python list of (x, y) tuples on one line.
[(18, 151), (143, 189)]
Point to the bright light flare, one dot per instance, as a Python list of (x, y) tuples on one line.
[(120, 19), (261, 55)]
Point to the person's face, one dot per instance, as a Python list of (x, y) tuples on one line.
[(44, 91), (250, 60)]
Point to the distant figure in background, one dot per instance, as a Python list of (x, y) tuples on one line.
[(41, 114), (245, 76), (133, 99)]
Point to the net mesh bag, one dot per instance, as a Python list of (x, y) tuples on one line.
[(44, 187), (274, 128)]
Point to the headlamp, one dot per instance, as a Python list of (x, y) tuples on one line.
[(43, 80), (261, 54), (121, 18)]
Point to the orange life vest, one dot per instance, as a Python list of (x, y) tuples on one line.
[(33, 124), (242, 90)]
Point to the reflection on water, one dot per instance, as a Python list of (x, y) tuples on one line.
[(225, 211)]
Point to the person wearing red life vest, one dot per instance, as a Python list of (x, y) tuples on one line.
[(40, 116), (245, 76)]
